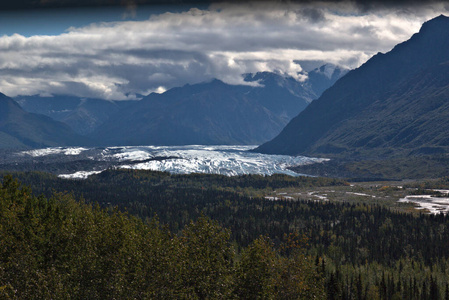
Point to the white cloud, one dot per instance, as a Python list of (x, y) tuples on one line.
[(109, 60)]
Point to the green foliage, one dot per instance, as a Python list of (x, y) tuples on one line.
[(58, 248), (206, 258), (256, 270), (273, 276), (441, 183), (382, 168), (178, 199), (359, 251)]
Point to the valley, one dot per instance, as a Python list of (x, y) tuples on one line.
[(81, 163), (400, 196), (397, 192), (139, 160)]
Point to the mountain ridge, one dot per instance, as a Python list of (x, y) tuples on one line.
[(211, 113), (332, 124), (20, 129), (83, 115), (269, 103)]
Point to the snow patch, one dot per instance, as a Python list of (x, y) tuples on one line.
[(442, 191), (53, 151), (329, 70), (361, 194), (321, 197), (434, 205), (79, 175)]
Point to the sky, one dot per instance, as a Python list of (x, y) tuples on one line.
[(118, 50)]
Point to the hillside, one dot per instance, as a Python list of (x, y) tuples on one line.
[(395, 104), (83, 115), (20, 129)]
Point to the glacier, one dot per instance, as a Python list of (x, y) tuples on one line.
[(225, 160)]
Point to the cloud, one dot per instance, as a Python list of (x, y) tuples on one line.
[(117, 60), (130, 9)]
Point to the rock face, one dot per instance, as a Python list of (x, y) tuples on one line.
[(20, 129), (395, 104)]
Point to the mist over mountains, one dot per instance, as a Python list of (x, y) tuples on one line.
[(211, 113), (206, 113), (394, 104)]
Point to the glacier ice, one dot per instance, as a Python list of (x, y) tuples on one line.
[(225, 160)]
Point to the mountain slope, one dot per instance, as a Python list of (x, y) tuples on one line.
[(394, 104), (210, 113), (20, 129), (81, 114), (206, 113)]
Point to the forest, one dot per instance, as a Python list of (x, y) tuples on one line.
[(148, 234)]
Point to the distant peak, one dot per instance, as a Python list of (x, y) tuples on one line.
[(265, 76), (328, 70), (215, 80), (441, 17), (441, 23), (258, 76)]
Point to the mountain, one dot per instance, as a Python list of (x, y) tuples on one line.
[(210, 113), (83, 115), (320, 79), (20, 129), (229, 115), (395, 104)]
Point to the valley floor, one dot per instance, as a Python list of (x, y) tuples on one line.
[(401, 196), (380, 169)]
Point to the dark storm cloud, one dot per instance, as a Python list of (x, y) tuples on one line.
[(313, 14), (365, 5), (51, 4)]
